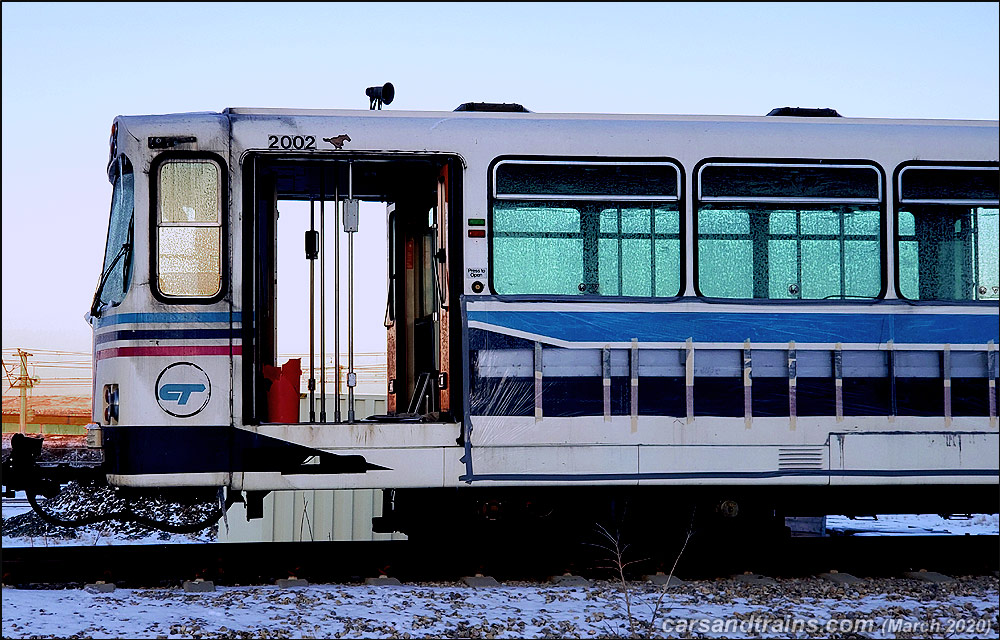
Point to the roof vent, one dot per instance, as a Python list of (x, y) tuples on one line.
[(804, 112), (504, 107)]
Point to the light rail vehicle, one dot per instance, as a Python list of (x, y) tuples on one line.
[(794, 313)]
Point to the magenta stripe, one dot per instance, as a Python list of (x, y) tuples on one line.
[(180, 350)]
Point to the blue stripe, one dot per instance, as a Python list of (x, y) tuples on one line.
[(166, 334), (708, 326), (882, 473), (170, 318)]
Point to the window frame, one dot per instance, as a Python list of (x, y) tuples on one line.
[(880, 204), (789, 199), (898, 202), (223, 225), (679, 200), (129, 267)]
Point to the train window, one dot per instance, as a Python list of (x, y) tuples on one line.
[(118, 253), (949, 184), (586, 228), (947, 229), (537, 248), (725, 181), (525, 178), (789, 231), (189, 228)]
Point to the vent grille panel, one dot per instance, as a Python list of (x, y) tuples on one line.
[(800, 458)]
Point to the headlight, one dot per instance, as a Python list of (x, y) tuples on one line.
[(110, 404)]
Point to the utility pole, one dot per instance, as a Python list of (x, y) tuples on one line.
[(24, 382)]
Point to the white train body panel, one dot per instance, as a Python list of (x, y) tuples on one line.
[(687, 339)]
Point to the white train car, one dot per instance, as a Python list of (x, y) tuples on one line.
[(796, 312)]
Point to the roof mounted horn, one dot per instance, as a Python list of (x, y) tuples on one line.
[(379, 95)]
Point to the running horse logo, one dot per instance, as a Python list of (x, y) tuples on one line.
[(338, 141)]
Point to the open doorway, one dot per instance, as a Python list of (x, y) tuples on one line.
[(342, 251)]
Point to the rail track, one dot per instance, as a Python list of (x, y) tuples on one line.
[(16, 503), (345, 562)]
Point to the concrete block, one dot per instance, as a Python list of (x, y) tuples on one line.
[(199, 586), (569, 580), (99, 587), (753, 578), (479, 580), (288, 583), (383, 581), (928, 576), (840, 578), (806, 526), (661, 579)]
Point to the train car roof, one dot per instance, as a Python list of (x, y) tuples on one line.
[(254, 111), (528, 116)]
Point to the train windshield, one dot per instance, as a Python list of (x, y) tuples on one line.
[(118, 252)]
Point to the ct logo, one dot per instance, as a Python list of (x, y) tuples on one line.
[(183, 389)]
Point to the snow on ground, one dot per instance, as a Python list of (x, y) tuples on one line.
[(21, 528), (720, 608), (24, 528), (922, 524), (92, 537), (876, 608)]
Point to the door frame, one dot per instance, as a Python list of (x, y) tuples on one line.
[(254, 405)]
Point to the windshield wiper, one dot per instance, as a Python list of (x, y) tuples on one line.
[(95, 307)]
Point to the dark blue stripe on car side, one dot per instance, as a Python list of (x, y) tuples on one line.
[(166, 334)]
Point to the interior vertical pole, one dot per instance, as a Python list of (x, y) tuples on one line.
[(312, 313), (351, 376), (336, 295), (322, 294)]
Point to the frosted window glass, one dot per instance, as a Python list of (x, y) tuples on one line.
[(821, 222), (725, 268), (636, 220), (666, 220), (780, 270), (987, 250), (189, 261), (861, 222), (788, 253), (821, 275), (668, 273), (609, 275), (609, 221), (527, 217), (861, 260), (637, 266), (538, 265), (724, 221), (580, 247), (189, 192), (948, 252), (189, 234)]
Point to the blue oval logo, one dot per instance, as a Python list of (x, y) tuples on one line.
[(183, 389)]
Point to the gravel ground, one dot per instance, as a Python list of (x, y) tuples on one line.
[(791, 609)]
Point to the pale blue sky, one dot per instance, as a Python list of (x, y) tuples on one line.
[(69, 69)]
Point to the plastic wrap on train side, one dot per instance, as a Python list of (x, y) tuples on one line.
[(529, 359)]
